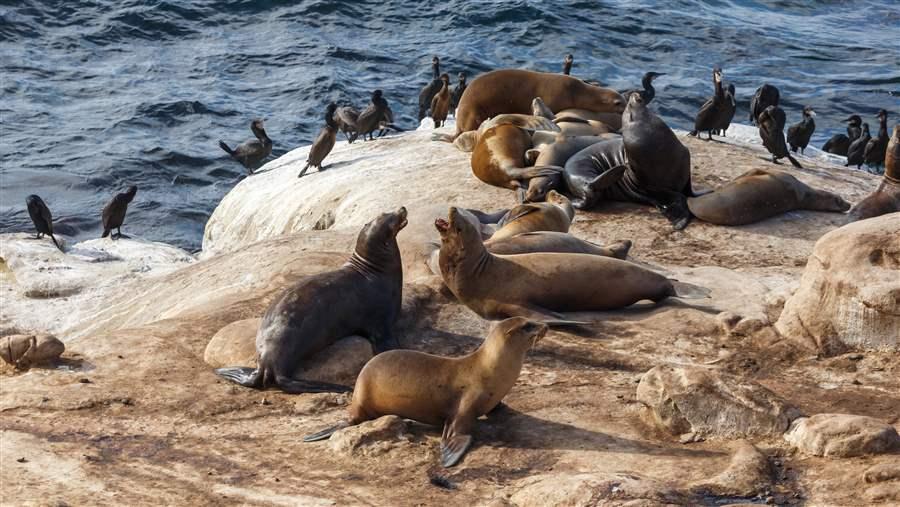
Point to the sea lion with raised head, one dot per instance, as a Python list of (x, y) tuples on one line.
[(538, 108), (539, 285), (759, 194), (113, 214), (513, 90), (362, 297), (886, 199), (449, 391), (554, 215), (252, 153), (41, 218)]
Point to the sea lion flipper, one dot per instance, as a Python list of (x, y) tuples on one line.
[(608, 177), (689, 291), (518, 212), (452, 449), (536, 313), (531, 156), (326, 433), (295, 386), (247, 377)]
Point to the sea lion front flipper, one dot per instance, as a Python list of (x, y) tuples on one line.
[(326, 433), (608, 177), (296, 386), (536, 313), (456, 438), (531, 156), (247, 377), (518, 212)]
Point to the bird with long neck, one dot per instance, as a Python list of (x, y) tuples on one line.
[(567, 64)]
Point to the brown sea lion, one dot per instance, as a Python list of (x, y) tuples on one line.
[(554, 215), (362, 297), (449, 391), (759, 194), (538, 108), (513, 90), (886, 199), (539, 285), (555, 242), (26, 350), (499, 159)]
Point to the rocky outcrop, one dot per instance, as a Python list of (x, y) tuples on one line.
[(849, 296), (371, 438), (585, 489), (707, 402), (842, 435), (748, 474)]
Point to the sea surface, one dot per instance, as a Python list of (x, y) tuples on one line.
[(101, 94)]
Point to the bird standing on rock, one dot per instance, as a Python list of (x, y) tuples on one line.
[(114, 213), (345, 117), (771, 129), (839, 144), (440, 104), (458, 91), (765, 96), (711, 112), (873, 154), (429, 90), (324, 141), (855, 154), (253, 152), (41, 217), (567, 64), (372, 116), (799, 133), (724, 120)]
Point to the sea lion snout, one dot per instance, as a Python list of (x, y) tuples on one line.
[(441, 225), (402, 221)]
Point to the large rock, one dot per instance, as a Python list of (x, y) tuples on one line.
[(586, 489), (235, 345), (849, 296), (371, 438), (842, 435), (708, 402)]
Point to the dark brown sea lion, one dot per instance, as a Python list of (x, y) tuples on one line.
[(324, 142), (251, 154), (886, 199), (513, 90), (113, 214), (539, 285), (556, 154), (449, 391), (362, 297), (759, 194)]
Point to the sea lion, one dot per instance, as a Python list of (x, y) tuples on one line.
[(554, 242), (590, 172), (557, 154), (440, 103), (886, 199), (799, 133), (839, 144), (499, 159), (430, 89), (512, 91), (252, 153), (41, 218), (26, 350), (324, 142), (713, 110), (771, 130), (611, 120), (873, 154), (538, 285), (554, 215), (570, 126), (449, 391), (362, 297), (113, 215), (759, 194)]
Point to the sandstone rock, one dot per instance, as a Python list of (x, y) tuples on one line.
[(747, 475), (371, 438), (26, 350), (849, 296), (235, 345), (884, 493), (576, 490), (883, 472), (708, 402), (842, 435)]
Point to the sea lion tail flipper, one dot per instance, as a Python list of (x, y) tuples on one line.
[(247, 377), (295, 386), (686, 290), (531, 156), (608, 177), (326, 433), (794, 162), (536, 313), (225, 147)]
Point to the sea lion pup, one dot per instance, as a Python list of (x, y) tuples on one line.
[(449, 391), (557, 154), (251, 154), (323, 143), (857, 149), (886, 199), (512, 91), (713, 110), (556, 214), (25, 350), (647, 92), (799, 133), (113, 215), (41, 218), (873, 154), (771, 130), (765, 96), (759, 194), (458, 91), (345, 117), (839, 144), (440, 104), (539, 285), (362, 297), (429, 90)]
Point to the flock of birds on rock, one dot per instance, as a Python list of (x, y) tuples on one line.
[(438, 100)]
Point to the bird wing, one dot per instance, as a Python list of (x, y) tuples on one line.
[(706, 115), (348, 115), (793, 133), (48, 218)]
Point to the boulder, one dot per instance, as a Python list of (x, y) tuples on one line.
[(708, 402), (26, 350), (235, 345), (842, 435), (748, 474), (586, 489), (849, 296), (371, 438)]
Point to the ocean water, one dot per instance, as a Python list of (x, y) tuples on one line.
[(101, 94)]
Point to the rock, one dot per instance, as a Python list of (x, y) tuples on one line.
[(26, 350), (708, 402), (371, 438), (575, 490), (883, 472), (886, 493), (849, 296), (747, 475), (842, 435), (235, 345)]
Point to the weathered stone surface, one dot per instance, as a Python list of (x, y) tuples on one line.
[(883, 472), (583, 490), (748, 474), (371, 438), (233, 345), (707, 402), (842, 435), (849, 296)]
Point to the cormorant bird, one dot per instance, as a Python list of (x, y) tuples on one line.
[(458, 91), (711, 112), (727, 112), (440, 104), (324, 141), (567, 64), (873, 154), (765, 96), (429, 90), (114, 213), (855, 154), (345, 117), (771, 130), (253, 152), (41, 217), (648, 92), (798, 134), (839, 144), (373, 116)]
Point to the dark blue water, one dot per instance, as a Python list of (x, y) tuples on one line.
[(100, 94)]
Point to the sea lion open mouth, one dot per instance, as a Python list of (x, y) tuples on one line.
[(442, 225), (403, 220)]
